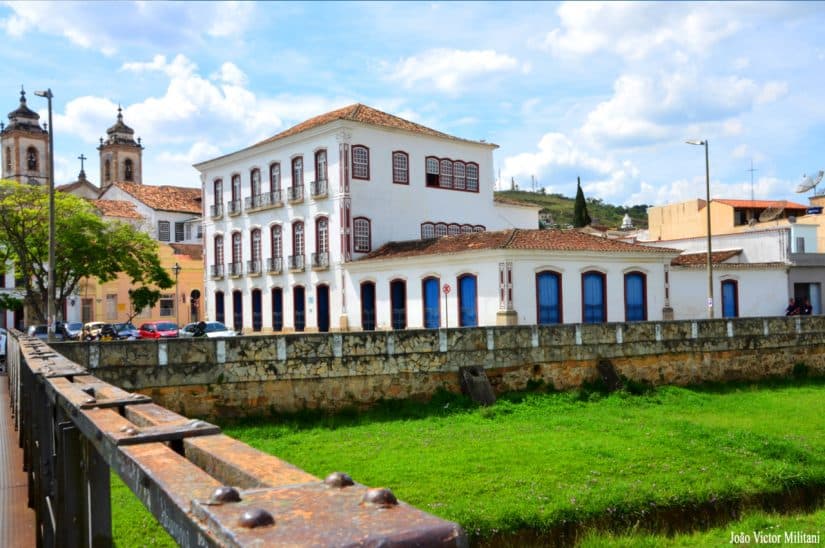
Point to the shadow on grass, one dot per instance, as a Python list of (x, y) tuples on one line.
[(444, 403)]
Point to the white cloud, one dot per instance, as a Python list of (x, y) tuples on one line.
[(646, 109), (635, 30), (231, 74), (453, 70)]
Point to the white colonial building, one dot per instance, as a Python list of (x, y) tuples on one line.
[(358, 219)]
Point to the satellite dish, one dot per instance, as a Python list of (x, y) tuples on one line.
[(809, 182), (771, 213)]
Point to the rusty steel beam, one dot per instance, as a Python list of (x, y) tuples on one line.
[(204, 488)]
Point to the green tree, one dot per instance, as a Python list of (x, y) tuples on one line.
[(580, 215), (86, 246)]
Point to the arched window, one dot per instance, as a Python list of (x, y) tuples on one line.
[(368, 306), (730, 299), (237, 250), (255, 251), (32, 159), (236, 187), (427, 231), (218, 192), (128, 170), (400, 168), (440, 230), (467, 301), (362, 237), (219, 250), (299, 307), (298, 238), (321, 165), (360, 162), (398, 304), (107, 170), (8, 159), (472, 177), (454, 229), (548, 297), (255, 182), (459, 181), (276, 242), (445, 179), (594, 298), (432, 171), (466, 229), (298, 172), (322, 235), (430, 289), (275, 177), (635, 297)]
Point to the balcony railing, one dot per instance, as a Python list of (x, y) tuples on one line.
[(216, 270), (233, 207), (235, 269), (295, 194), (253, 268), (262, 201), (296, 263), (275, 265), (216, 210), (320, 261), (318, 189)]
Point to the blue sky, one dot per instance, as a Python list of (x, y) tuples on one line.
[(608, 92)]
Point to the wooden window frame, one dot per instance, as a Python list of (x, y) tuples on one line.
[(355, 235), (353, 163), (294, 162), (321, 176), (401, 177), (275, 182)]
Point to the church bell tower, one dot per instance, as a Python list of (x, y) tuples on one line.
[(25, 146), (121, 157)]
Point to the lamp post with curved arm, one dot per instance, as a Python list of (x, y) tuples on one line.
[(50, 308), (707, 215)]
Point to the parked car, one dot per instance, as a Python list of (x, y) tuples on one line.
[(158, 330), (3, 337), (42, 332), (71, 330), (126, 331), (91, 330), (213, 329)]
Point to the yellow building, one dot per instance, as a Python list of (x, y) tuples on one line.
[(689, 219)]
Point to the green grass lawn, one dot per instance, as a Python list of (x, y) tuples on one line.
[(540, 460)]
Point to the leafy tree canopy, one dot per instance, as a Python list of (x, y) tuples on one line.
[(85, 246)]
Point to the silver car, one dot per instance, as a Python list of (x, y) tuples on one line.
[(213, 329)]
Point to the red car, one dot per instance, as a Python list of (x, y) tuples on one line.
[(158, 330)]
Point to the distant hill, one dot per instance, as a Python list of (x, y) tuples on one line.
[(561, 209)]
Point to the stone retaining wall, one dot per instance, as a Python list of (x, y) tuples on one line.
[(261, 374)]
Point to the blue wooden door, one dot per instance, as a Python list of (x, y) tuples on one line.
[(322, 295), (635, 308), (548, 293), (467, 301), (299, 307), (237, 310), (593, 302), (368, 306), (277, 309), (432, 309), (730, 299), (220, 315), (398, 304), (257, 310)]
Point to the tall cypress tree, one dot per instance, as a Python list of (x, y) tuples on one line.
[(580, 215)]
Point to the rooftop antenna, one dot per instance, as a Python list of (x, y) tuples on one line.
[(809, 182), (752, 170)]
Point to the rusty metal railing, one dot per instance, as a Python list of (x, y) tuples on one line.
[(204, 488)]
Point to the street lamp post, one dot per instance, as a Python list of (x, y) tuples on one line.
[(50, 320), (176, 269), (707, 211)]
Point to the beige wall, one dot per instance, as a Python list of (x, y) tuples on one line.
[(104, 309)]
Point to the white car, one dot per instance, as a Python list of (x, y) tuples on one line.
[(213, 329)]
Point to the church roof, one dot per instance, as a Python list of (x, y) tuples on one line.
[(165, 198), (24, 118), (120, 133), (365, 115), (117, 208), (517, 238)]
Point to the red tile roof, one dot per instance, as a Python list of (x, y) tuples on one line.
[(364, 115), (761, 204), (194, 251), (165, 198), (701, 258), (117, 208), (533, 239)]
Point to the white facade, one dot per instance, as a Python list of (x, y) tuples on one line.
[(362, 207)]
